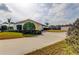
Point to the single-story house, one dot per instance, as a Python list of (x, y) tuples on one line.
[(66, 27), (25, 25)]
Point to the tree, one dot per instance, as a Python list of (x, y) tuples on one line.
[(29, 26), (47, 24), (73, 36), (9, 23)]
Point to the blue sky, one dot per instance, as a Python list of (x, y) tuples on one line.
[(54, 13)]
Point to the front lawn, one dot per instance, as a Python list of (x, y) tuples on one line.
[(59, 48), (29, 35), (10, 35), (56, 30)]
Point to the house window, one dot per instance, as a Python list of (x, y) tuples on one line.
[(19, 27)]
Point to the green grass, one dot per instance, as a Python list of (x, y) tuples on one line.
[(56, 30), (10, 35), (29, 35), (59, 48)]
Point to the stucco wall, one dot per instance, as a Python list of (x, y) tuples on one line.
[(37, 26), (12, 25)]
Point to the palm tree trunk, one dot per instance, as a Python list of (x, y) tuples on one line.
[(9, 27)]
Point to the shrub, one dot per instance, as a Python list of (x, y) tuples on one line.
[(3, 28), (10, 28), (73, 36), (36, 32)]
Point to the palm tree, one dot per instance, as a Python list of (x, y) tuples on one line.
[(9, 23), (47, 24)]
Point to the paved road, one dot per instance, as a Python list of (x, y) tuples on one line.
[(25, 45)]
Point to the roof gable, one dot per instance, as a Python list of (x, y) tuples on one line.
[(29, 20)]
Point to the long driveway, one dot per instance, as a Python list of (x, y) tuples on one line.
[(29, 44)]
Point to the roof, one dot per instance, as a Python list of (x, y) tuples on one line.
[(30, 20), (66, 25)]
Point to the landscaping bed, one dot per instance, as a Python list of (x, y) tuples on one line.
[(59, 48)]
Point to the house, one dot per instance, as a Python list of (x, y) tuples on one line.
[(25, 25), (66, 27), (55, 27), (60, 27)]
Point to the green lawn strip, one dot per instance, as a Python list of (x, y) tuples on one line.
[(29, 35), (59, 48), (13, 35), (56, 31), (10, 35)]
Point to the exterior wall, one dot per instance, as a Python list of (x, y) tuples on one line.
[(18, 24), (65, 28), (12, 25), (37, 26)]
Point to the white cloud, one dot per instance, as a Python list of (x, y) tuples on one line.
[(52, 13)]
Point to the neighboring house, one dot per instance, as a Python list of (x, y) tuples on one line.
[(55, 27), (26, 24), (65, 27)]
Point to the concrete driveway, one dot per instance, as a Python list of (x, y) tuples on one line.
[(25, 45)]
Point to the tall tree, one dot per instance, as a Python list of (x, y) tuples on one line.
[(9, 23)]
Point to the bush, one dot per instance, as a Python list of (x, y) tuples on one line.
[(73, 36), (3, 28), (10, 28), (36, 32)]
